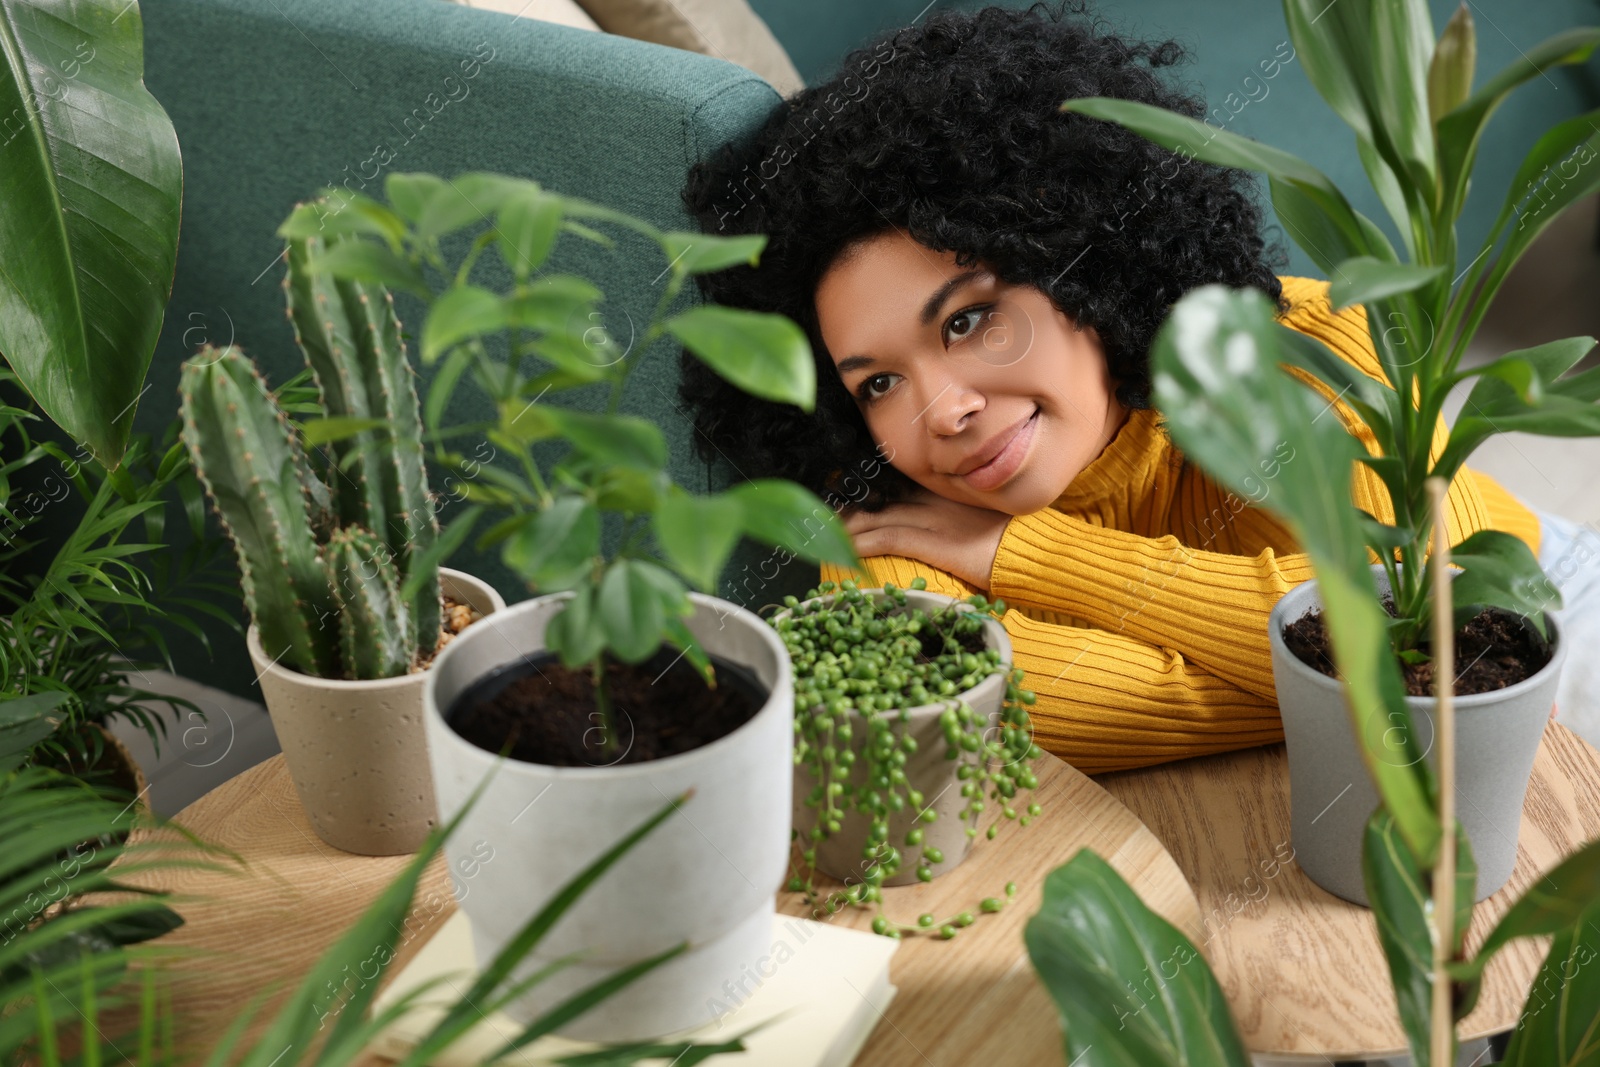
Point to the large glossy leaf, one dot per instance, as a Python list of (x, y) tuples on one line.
[(1560, 1021), (785, 515), (1364, 278), (1211, 145), (1399, 891), (765, 355), (91, 183), (1401, 47), (1231, 408), (1131, 989), (698, 533), (1500, 570), (1460, 130), (1553, 904), (1564, 408)]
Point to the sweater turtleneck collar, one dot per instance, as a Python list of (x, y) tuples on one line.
[(1124, 473)]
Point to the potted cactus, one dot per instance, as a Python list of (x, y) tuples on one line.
[(617, 684), (341, 576)]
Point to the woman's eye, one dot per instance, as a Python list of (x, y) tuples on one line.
[(971, 316), (864, 390)]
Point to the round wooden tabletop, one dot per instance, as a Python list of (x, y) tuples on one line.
[(959, 1002), (1302, 970)]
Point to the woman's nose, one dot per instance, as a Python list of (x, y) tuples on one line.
[(950, 408)]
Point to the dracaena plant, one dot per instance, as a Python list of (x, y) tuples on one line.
[(534, 341), (1233, 385)]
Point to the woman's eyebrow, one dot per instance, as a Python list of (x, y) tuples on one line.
[(941, 294), (929, 311)]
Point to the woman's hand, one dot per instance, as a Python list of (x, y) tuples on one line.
[(956, 538)]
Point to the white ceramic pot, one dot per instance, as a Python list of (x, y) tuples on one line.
[(357, 750), (927, 770), (708, 875), (1331, 794)]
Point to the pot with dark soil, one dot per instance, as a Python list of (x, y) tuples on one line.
[(1505, 687), (570, 786)]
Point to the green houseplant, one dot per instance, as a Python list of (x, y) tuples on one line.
[(905, 713), (334, 557), (578, 683), (1417, 123), (64, 1004)]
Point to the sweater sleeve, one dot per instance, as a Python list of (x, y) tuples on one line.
[(1211, 607), (1106, 701)]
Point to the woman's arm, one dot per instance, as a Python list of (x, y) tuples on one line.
[(1107, 701)]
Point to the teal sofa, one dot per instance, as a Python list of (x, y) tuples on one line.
[(273, 99)]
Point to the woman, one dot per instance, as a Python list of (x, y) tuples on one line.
[(981, 276)]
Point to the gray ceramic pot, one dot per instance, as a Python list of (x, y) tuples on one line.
[(357, 751), (840, 856), (707, 875), (1331, 795)]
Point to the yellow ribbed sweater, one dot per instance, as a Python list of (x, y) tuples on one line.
[(1138, 600)]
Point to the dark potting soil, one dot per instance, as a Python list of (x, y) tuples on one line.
[(1495, 649), (547, 713)]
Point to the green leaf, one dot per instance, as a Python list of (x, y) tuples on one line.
[(701, 253), (1324, 239), (575, 633), (765, 355), (461, 312), (1090, 942), (623, 439), (90, 189), (630, 612), (1500, 570), (628, 490), (468, 199), (420, 566), (1552, 905), (342, 213), (1398, 889), (1363, 278), (562, 540), (1234, 411), (1455, 58), (411, 192), (529, 223), (24, 722), (363, 261), (553, 302), (1561, 1017), (1565, 408), (698, 534), (1397, 63), (1461, 129), (785, 515), (337, 428)]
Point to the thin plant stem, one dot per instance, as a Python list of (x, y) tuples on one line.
[(1444, 879)]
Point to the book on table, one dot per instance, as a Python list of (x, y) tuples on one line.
[(818, 1007)]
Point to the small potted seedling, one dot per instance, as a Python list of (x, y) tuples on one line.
[(907, 709), (1228, 405), (616, 685), (348, 604)]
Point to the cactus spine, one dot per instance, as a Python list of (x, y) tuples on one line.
[(322, 565), (351, 340)]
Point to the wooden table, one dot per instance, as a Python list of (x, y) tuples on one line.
[(967, 1001), (1302, 969)]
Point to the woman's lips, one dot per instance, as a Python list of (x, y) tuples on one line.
[(998, 470)]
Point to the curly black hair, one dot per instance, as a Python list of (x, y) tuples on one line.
[(951, 131)]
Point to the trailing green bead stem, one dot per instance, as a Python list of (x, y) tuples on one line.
[(350, 336), (250, 462), (859, 665)]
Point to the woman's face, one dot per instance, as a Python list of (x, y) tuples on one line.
[(951, 367)]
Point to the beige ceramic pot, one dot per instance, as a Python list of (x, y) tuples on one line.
[(357, 750)]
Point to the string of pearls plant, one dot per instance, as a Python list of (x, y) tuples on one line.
[(862, 664)]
